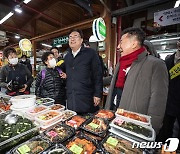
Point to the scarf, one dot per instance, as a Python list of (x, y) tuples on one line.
[(125, 63)]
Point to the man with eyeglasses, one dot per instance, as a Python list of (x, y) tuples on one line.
[(84, 76)]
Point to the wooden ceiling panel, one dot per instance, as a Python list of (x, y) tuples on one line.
[(43, 16)]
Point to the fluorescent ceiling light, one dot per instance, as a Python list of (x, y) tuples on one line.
[(166, 39), (17, 36), (6, 17), (26, 1), (46, 45), (177, 4), (18, 9)]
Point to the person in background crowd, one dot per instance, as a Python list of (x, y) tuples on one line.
[(142, 78), (26, 62), (86, 44), (48, 81), (84, 76), (150, 48), (173, 101), (57, 56), (14, 77)]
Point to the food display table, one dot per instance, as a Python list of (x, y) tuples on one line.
[(51, 129)]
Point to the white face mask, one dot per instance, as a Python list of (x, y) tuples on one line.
[(13, 61), (52, 63), (23, 60)]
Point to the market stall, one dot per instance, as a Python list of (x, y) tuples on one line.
[(36, 125)]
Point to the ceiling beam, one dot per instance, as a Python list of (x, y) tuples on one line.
[(138, 7)]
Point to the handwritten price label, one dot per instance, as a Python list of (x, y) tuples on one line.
[(112, 141), (119, 121), (93, 125), (24, 149), (76, 149), (52, 133)]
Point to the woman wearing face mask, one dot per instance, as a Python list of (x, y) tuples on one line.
[(26, 62), (48, 81), (14, 77)]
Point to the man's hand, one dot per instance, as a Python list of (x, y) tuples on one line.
[(23, 89), (96, 101), (63, 75)]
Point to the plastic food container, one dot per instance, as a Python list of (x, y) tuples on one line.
[(48, 117), (57, 107), (143, 132), (45, 101), (105, 114), (75, 122), (114, 144), (1, 111), (23, 101), (12, 134), (31, 113), (67, 114), (35, 145), (81, 145), (136, 117), (96, 126), (58, 148), (59, 133)]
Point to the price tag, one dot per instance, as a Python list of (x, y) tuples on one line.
[(72, 121), (42, 117), (52, 133), (112, 141), (119, 121), (76, 149), (93, 125), (24, 149)]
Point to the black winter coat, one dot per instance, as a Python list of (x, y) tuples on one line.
[(27, 63), (18, 73), (84, 80), (173, 101), (52, 86)]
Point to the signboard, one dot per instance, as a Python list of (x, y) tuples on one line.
[(99, 29), (25, 45), (167, 17), (60, 40)]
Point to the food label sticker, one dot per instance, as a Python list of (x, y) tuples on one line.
[(93, 125), (72, 121), (76, 149), (42, 117), (112, 141), (119, 121), (52, 133), (24, 149)]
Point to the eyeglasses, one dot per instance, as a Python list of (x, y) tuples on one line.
[(74, 37)]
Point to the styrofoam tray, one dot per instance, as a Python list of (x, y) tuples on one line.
[(133, 120), (141, 136)]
